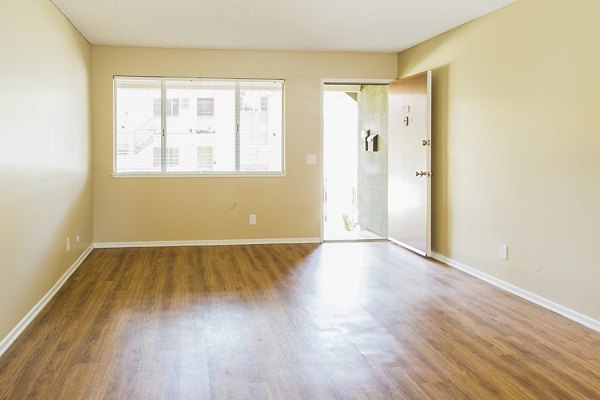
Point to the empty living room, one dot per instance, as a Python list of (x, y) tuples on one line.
[(165, 187)]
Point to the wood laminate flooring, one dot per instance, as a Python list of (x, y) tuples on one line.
[(298, 321)]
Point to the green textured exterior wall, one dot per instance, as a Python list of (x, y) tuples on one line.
[(373, 166)]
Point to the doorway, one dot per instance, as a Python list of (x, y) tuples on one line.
[(354, 167)]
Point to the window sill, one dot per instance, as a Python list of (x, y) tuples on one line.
[(199, 175)]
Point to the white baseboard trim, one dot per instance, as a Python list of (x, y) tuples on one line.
[(534, 298), (227, 242), (24, 323)]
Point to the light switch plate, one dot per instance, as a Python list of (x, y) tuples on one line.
[(311, 159)]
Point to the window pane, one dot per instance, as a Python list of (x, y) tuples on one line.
[(191, 132), (209, 125), (137, 124), (260, 137)]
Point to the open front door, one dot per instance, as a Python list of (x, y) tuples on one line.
[(409, 163)]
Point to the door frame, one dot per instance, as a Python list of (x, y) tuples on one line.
[(337, 81)]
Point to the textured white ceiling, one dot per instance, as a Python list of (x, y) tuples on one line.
[(332, 25)]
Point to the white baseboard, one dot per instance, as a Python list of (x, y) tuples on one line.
[(17, 330), (227, 242), (534, 298)]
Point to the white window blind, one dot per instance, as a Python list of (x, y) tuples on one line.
[(168, 125)]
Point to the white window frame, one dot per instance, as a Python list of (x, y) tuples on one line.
[(216, 174)]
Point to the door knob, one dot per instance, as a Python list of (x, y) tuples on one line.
[(425, 142), (422, 173)]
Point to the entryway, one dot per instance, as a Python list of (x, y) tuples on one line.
[(354, 161)]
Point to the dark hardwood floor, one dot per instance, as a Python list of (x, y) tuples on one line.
[(332, 321)]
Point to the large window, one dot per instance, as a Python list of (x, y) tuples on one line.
[(181, 126)]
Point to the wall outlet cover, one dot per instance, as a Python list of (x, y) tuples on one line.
[(503, 251)]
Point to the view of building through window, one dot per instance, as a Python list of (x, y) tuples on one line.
[(198, 125)]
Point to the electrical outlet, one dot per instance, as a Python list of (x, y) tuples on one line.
[(252, 219), (68, 245), (503, 251)]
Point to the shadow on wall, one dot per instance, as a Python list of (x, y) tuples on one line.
[(440, 218)]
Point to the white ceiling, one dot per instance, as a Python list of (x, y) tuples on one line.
[(321, 25)]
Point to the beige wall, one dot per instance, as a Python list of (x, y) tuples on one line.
[(207, 208), (516, 134), (45, 155)]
